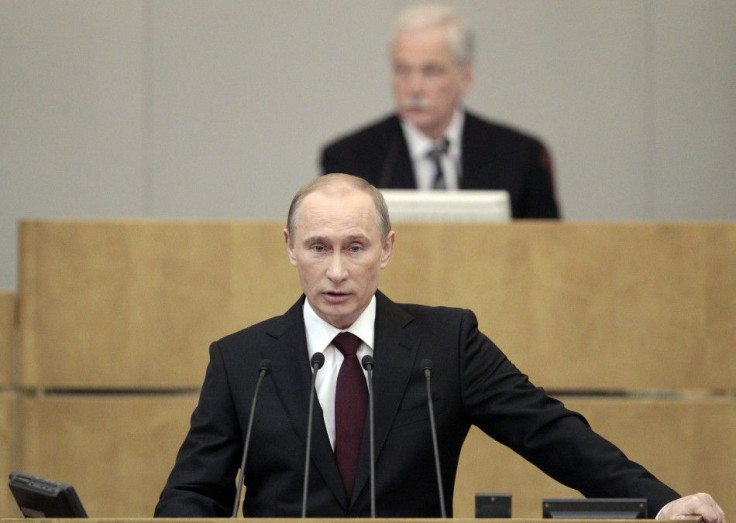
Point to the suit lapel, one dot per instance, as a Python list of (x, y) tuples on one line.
[(292, 378), (482, 157), (397, 171), (394, 354), (473, 156)]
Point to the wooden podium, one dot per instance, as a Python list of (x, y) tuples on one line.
[(631, 324), (323, 520)]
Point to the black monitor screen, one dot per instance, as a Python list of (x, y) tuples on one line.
[(594, 508), (43, 498)]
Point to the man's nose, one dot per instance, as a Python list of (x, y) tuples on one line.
[(416, 82), (337, 270)]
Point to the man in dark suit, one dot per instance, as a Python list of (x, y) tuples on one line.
[(339, 238), (433, 142)]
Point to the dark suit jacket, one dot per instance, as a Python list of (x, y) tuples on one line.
[(472, 383), (493, 157)]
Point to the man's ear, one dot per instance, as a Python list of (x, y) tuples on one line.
[(467, 77), (289, 247), (388, 249)]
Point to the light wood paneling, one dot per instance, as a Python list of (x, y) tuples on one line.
[(8, 508), (135, 304), (8, 425), (101, 442), (117, 450), (688, 444), (586, 306), (289, 520), (7, 337), (618, 306)]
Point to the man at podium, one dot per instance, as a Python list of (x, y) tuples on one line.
[(339, 238)]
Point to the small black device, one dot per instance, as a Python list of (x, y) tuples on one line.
[(492, 505), (44, 498), (594, 508)]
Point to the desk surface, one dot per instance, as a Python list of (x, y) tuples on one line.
[(335, 520)]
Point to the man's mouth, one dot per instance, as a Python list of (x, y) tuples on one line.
[(416, 105), (336, 297)]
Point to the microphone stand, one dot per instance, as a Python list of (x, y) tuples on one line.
[(318, 359), (262, 372), (367, 363), (427, 367)]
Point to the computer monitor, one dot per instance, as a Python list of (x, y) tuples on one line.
[(594, 508), (410, 205), (42, 498)]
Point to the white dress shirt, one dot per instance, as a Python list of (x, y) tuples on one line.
[(319, 339), (419, 146)]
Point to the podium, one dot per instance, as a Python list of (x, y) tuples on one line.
[(322, 520), (630, 324)]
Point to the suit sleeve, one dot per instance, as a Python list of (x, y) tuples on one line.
[(502, 402), (202, 482)]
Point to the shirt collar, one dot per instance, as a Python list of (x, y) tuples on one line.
[(420, 144), (320, 333)]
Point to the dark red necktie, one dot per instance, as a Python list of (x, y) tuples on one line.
[(351, 404)]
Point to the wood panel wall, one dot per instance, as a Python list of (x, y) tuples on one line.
[(8, 444), (681, 441), (137, 303), (8, 336), (632, 324), (117, 449)]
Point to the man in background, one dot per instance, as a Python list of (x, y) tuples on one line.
[(432, 141)]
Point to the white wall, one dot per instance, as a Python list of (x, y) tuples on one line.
[(217, 109)]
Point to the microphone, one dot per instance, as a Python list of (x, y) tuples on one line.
[(318, 359), (264, 369), (367, 363), (427, 368)]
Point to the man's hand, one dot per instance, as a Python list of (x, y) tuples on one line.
[(700, 505)]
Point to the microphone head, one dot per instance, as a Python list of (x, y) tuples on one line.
[(367, 362), (265, 367), (318, 359), (427, 364)]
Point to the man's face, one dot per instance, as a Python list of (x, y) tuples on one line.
[(428, 84), (338, 252)]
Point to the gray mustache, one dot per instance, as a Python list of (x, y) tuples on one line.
[(416, 103)]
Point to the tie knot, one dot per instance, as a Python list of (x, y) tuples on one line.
[(439, 148), (347, 343)]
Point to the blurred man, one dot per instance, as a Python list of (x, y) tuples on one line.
[(433, 142)]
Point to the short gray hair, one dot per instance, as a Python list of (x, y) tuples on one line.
[(460, 36), (382, 217)]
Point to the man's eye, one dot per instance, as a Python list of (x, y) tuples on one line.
[(356, 248), (318, 248), (402, 70)]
